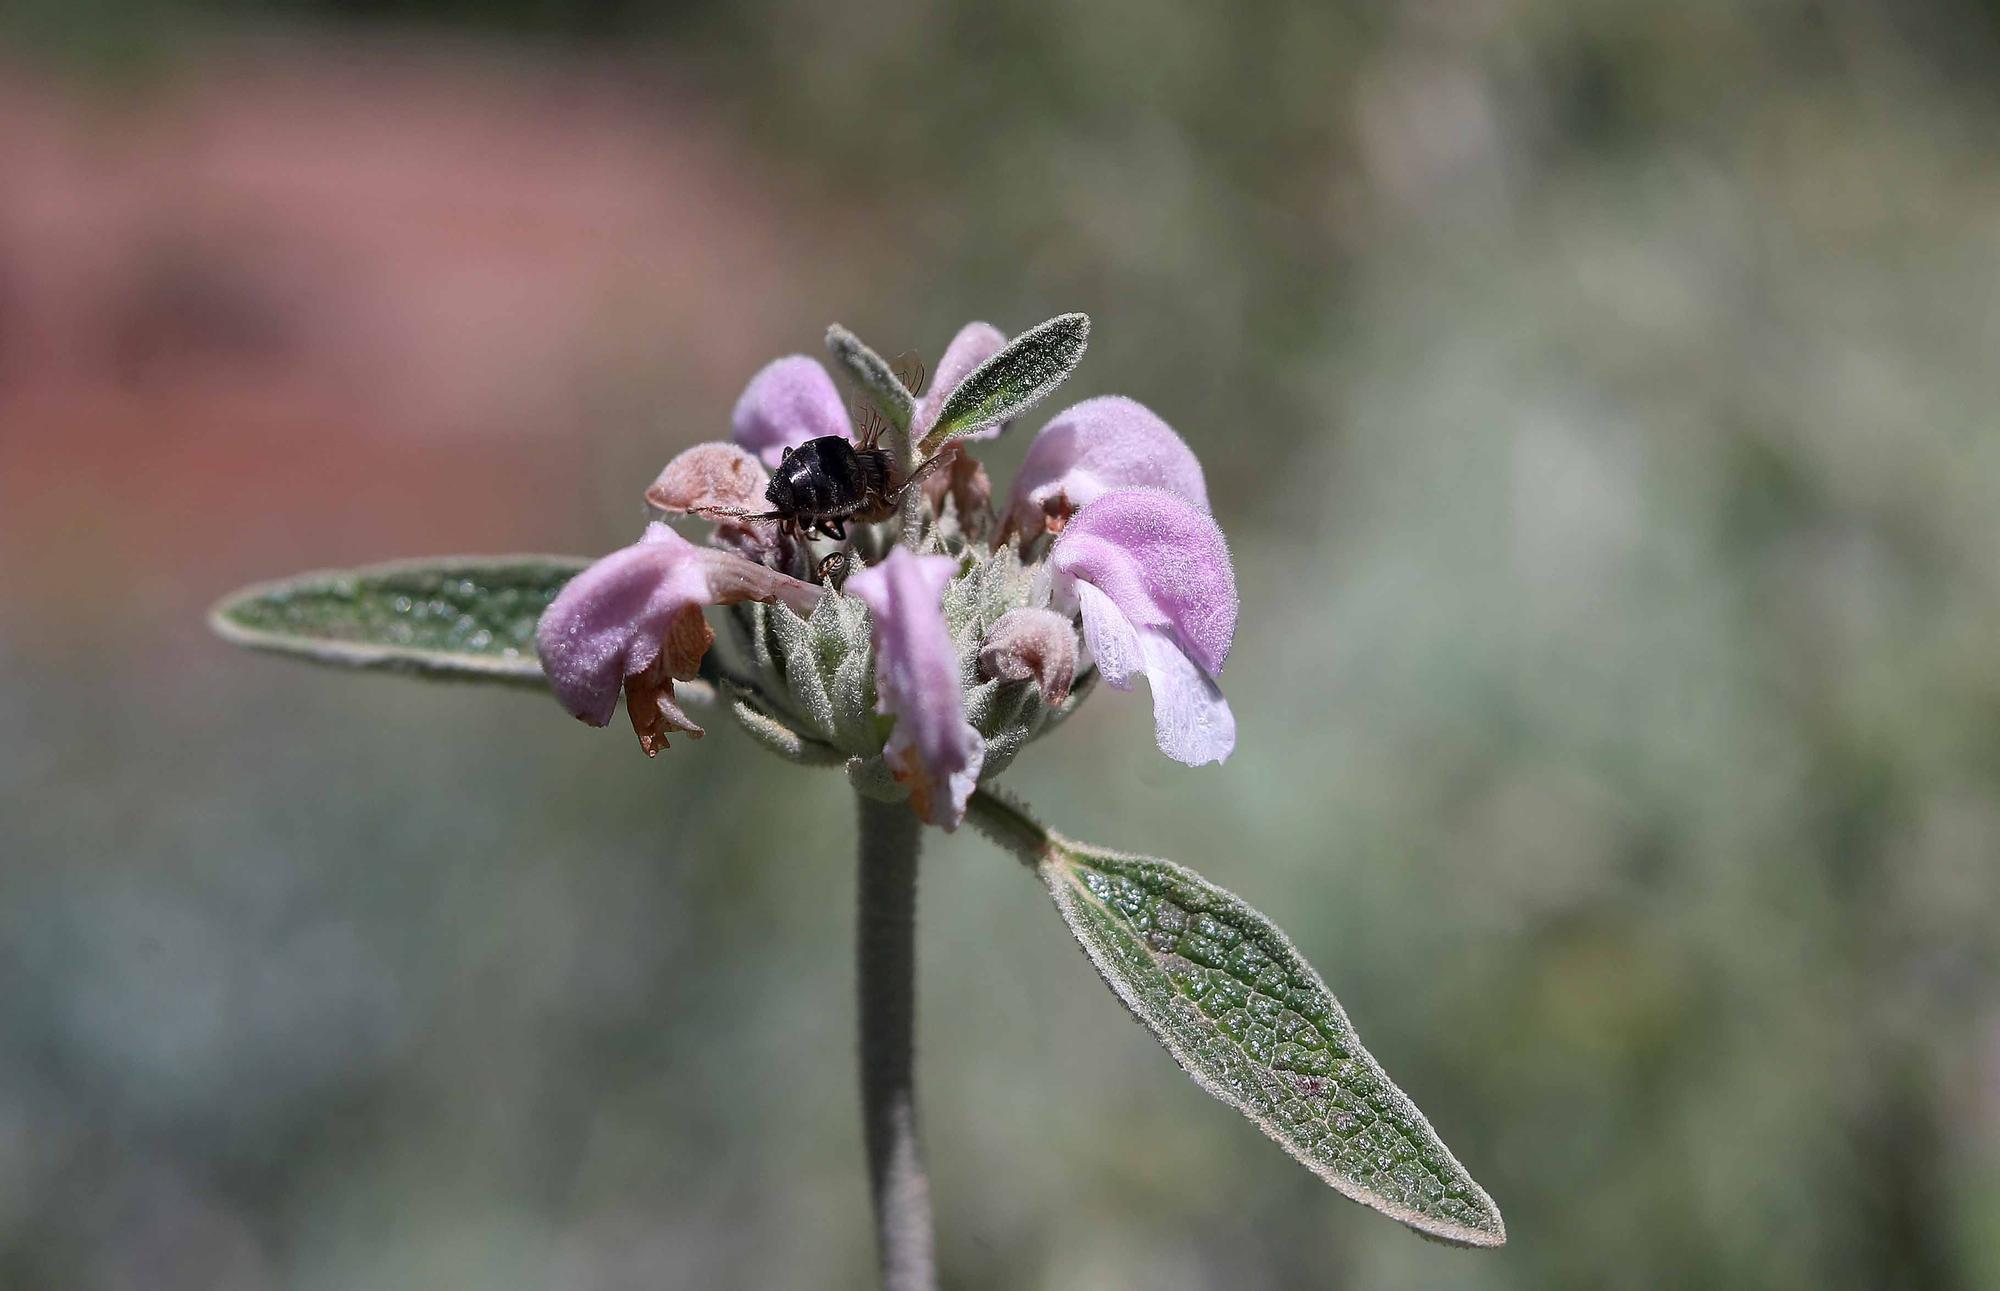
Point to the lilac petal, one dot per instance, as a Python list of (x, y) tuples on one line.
[(608, 622), (1110, 637), (628, 612), (1191, 720), (726, 484), (1162, 562), (933, 749), (713, 475), (1151, 575), (789, 401), (974, 344), (1095, 446)]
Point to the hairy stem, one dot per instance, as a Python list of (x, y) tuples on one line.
[(909, 511), (1006, 823), (885, 935)]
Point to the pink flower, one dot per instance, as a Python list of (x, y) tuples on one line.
[(717, 479), (788, 402), (714, 474), (1151, 574), (933, 750), (1135, 556), (633, 621), (1100, 444)]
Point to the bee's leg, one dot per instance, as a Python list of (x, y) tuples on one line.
[(834, 529), (800, 556), (727, 513), (832, 571)]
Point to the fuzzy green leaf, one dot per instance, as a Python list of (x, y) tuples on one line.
[(1013, 380), (872, 373), (778, 737), (1244, 1014), (456, 617)]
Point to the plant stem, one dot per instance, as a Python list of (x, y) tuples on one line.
[(885, 957), (910, 513), (1006, 822)]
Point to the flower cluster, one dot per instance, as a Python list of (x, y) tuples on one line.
[(953, 639)]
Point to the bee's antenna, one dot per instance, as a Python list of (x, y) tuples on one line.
[(924, 468)]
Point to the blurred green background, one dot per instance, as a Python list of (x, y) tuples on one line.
[(1601, 401)]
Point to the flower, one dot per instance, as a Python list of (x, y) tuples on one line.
[(633, 620), (788, 402), (1029, 644), (1150, 573), (725, 482), (952, 653), (710, 475), (933, 751), (1091, 447)]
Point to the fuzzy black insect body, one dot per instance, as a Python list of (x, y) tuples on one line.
[(825, 482)]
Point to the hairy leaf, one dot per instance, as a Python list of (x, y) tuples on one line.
[(1013, 380), (872, 373), (462, 617), (1249, 1019), (778, 737)]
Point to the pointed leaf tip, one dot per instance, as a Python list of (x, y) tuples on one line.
[(1242, 1012), (873, 374), (1013, 380)]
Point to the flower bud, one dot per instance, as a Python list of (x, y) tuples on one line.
[(707, 476), (1031, 644)]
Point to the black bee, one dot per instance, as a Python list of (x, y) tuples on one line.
[(823, 483)]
